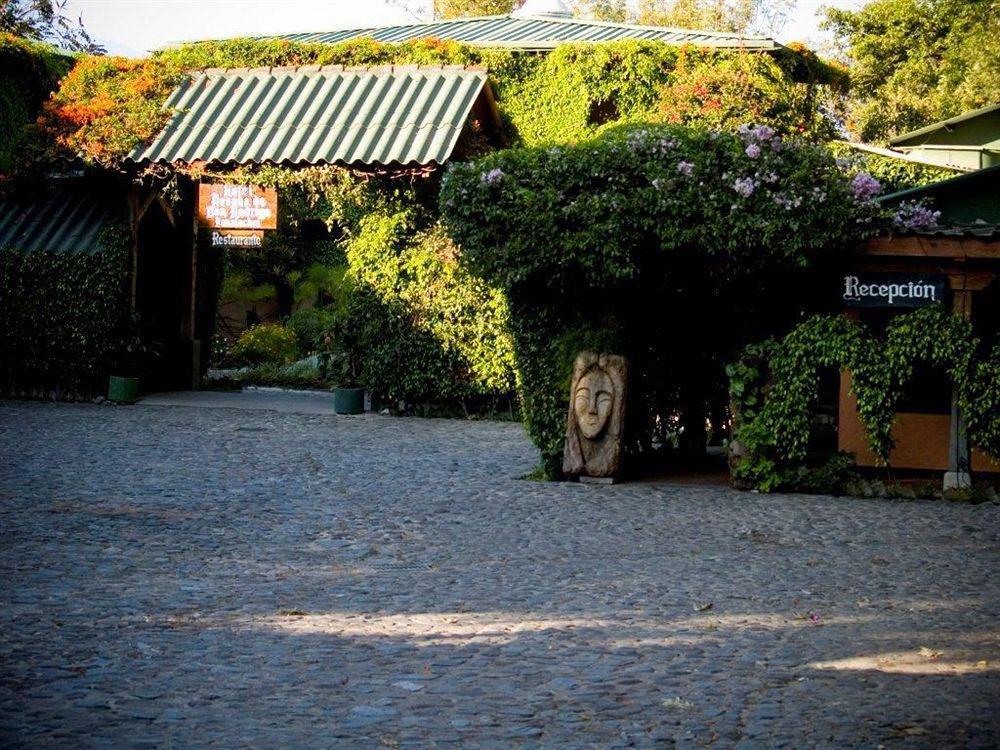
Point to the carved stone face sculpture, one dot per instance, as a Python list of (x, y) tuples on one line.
[(593, 403), (596, 415)]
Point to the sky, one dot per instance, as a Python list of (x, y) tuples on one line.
[(133, 27)]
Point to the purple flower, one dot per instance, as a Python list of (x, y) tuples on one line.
[(745, 186), (753, 150), (686, 168), (865, 187), (492, 177), (787, 203), (755, 133), (913, 215)]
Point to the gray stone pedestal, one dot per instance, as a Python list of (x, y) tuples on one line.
[(957, 480)]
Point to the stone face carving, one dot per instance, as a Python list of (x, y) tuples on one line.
[(596, 415)]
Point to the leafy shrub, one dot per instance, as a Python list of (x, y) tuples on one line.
[(267, 343), (419, 325), (300, 375), (310, 325), (29, 72)]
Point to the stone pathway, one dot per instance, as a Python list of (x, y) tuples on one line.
[(178, 577)]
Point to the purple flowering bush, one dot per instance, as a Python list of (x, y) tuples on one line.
[(591, 210), (865, 187), (914, 215)]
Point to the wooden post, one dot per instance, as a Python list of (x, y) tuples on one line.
[(189, 323), (133, 227), (958, 475)]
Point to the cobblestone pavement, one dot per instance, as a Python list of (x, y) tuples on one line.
[(182, 578)]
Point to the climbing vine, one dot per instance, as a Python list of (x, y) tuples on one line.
[(774, 384)]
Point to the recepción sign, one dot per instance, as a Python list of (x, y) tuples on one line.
[(893, 289), (237, 207)]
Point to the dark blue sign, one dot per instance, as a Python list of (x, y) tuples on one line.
[(893, 289)]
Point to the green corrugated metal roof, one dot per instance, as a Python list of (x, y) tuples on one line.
[(935, 126), (971, 199), (317, 115), (68, 220), (534, 34), (903, 156)]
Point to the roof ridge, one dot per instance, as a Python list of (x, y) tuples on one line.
[(512, 17), (638, 26), (340, 68)]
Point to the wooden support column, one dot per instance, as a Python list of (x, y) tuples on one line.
[(189, 320), (958, 475), (133, 229)]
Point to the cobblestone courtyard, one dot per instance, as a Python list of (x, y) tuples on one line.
[(184, 577)]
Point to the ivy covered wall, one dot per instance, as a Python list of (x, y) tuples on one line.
[(62, 316), (774, 384)]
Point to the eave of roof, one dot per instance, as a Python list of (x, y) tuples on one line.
[(69, 220), (945, 123), (934, 187), (538, 33), (902, 156), (401, 115)]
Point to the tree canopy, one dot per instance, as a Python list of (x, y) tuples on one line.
[(46, 21), (917, 61)]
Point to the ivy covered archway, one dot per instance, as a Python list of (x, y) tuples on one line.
[(673, 246)]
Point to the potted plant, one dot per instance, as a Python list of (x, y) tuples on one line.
[(131, 356), (338, 363)]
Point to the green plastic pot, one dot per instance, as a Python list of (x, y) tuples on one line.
[(349, 400), (123, 390)]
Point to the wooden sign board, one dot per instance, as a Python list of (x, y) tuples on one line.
[(237, 207), (235, 238)]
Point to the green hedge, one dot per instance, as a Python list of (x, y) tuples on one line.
[(61, 316), (631, 238), (422, 328), (266, 343)]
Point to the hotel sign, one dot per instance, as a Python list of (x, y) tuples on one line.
[(242, 207), (893, 289)]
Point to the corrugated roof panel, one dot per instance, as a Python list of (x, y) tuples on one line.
[(534, 33), (67, 221), (401, 115)]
